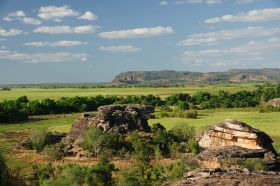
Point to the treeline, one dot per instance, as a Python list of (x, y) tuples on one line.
[(19, 110)]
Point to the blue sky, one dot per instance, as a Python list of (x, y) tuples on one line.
[(92, 41)]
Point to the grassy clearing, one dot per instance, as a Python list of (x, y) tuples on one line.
[(39, 93), (10, 134), (267, 122)]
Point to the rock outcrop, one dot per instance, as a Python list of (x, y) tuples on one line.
[(235, 133), (274, 102), (215, 177), (121, 119), (236, 141)]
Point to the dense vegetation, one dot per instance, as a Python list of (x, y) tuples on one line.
[(139, 147), (19, 110)]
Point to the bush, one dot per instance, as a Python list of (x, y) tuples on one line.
[(39, 139), (184, 132), (172, 171), (254, 164), (54, 152), (131, 177), (182, 105), (3, 171), (193, 147), (75, 175), (191, 114)]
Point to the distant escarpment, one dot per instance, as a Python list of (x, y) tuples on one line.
[(169, 76)]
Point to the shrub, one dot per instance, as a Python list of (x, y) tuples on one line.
[(54, 152), (182, 105), (75, 175), (164, 114), (165, 108), (193, 147), (131, 177), (39, 139), (3, 171), (254, 164), (191, 114), (184, 132)]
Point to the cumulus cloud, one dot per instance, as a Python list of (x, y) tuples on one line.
[(56, 13), (42, 57), (66, 29), (211, 38), (11, 32), (254, 50), (163, 3), (136, 33), (199, 2), (263, 15), (55, 44), (21, 16), (245, 1), (120, 48), (14, 15), (31, 21), (88, 16)]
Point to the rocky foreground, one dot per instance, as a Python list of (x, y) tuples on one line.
[(219, 177)]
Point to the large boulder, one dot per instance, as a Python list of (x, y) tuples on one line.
[(274, 102), (236, 141), (234, 133), (121, 119)]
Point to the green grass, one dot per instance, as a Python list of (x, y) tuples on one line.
[(267, 122), (39, 93)]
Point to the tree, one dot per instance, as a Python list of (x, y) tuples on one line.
[(182, 105), (143, 151)]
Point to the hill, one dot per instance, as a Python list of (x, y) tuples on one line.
[(169, 76)]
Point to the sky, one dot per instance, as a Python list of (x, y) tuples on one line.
[(71, 41)]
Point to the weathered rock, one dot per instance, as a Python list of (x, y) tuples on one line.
[(213, 177), (120, 119), (235, 133), (26, 144), (274, 102), (236, 141)]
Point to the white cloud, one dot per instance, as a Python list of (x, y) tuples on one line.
[(56, 13), (55, 44), (14, 15), (42, 57), (20, 16), (120, 48), (137, 33), (66, 29), (31, 21), (252, 51), (210, 2), (211, 38), (268, 14), (88, 16), (2, 39), (11, 32), (163, 3), (245, 1)]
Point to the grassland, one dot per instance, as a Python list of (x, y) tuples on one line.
[(22, 160), (34, 93), (268, 122)]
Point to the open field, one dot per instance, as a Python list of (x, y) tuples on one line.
[(40, 93), (267, 122)]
